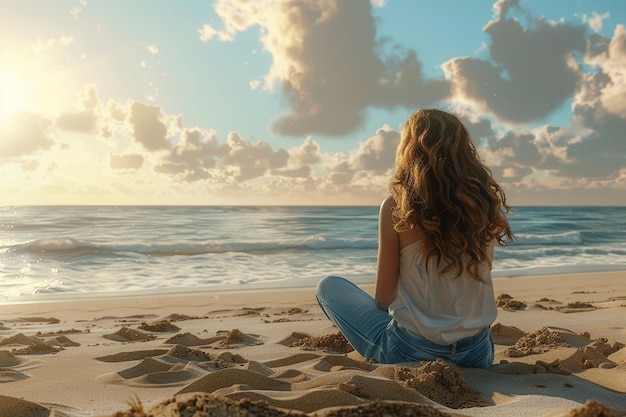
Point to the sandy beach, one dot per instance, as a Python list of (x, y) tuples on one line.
[(559, 352)]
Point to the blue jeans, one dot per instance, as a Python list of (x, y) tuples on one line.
[(375, 334)]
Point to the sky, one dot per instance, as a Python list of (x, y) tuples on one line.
[(300, 102)]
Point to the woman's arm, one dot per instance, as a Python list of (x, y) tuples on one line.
[(388, 256)]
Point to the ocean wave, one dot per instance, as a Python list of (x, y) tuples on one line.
[(55, 245), (565, 238), (70, 246)]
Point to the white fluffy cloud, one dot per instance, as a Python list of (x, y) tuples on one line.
[(325, 62), (605, 89), (530, 73)]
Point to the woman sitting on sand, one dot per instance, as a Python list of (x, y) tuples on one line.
[(434, 295)]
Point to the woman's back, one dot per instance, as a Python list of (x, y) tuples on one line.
[(442, 307)]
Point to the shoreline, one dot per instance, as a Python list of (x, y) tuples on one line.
[(90, 357), (208, 290)]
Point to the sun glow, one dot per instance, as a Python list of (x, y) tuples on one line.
[(13, 92)]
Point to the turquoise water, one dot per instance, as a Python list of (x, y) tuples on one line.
[(84, 251)]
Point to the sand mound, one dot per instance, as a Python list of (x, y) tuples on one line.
[(147, 366), (293, 338), (21, 339), (539, 367), (291, 360), (374, 388), (49, 320), (16, 407), (333, 342), (619, 356), (223, 339), (385, 409), (575, 307), (537, 342), (172, 377), (10, 375), (505, 335), (8, 359), (201, 404), (587, 357), (197, 404), (129, 335), (188, 354), (235, 338), (162, 326), (39, 349), (131, 356), (507, 302), (337, 362), (305, 401), (232, 376), (593, 408), (63, 341), (188, 339), (604, 347), (291, 376), (440, 381)]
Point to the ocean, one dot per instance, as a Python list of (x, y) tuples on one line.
[(59, 252)]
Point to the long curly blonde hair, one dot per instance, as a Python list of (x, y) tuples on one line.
[(444, 192)]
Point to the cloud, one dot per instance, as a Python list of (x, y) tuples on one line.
[(309, 153), (82, 121), (76, 10), (131, 161), (600, 112), (376, 154), (595, 21), (325, 63), (42, 45), (301, 172), (148, 127), (501, 7), (531, 71), (604, 89), (513, 155), (24, 133), (88, 97), (153, 49), (251, 161), (196, 153)]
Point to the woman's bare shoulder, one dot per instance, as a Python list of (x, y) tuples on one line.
[(388, 203)]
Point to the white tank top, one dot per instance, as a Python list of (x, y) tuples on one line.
[(443, 309)]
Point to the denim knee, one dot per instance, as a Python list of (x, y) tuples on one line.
[(328, 286)]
